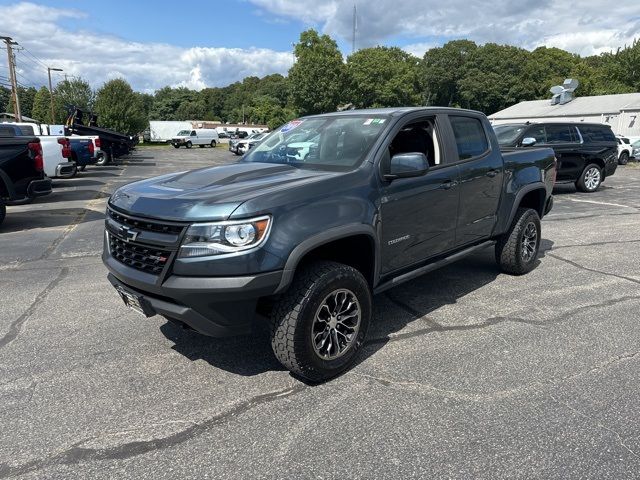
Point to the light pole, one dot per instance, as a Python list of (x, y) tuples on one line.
[(49, 70)]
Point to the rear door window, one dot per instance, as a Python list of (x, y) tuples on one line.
[(597, 133), (470, 136), (560, 134)]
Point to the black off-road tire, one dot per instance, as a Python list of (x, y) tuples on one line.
[(624, 158), (293, 315), (3, 212), (188, 144), (175, 145), (510, 246), (582, 183)]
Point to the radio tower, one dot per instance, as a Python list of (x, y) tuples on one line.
[(355, 27)]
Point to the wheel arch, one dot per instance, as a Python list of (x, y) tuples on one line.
[(531, 196), (353, 245)]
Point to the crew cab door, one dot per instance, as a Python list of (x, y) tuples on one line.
[(481, 177), (418, 214)]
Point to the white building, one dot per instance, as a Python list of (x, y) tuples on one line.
[(621, 111)]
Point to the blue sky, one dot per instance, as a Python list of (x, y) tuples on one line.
[(200, 43), (230, 23)]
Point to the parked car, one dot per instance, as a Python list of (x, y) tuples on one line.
[(635, 150), (247, 144), (196, 136), (625, 150), (387, 195), (587, 153), (22, 176), (238, 145), (56, 151)]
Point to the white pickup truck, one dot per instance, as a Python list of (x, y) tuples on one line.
[(56, 151)]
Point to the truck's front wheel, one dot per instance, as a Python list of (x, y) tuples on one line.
[(517, 250), (320, 323)]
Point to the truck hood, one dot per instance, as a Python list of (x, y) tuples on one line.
[(209, 194)]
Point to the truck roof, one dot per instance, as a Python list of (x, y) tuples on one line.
[(395, 111)]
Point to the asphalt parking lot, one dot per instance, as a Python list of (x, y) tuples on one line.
[(469, 373)]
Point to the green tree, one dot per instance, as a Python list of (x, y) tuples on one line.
[(383, 77), (42, 106), (317, 78), (75, 92), (5, 99), (26, 97), (442, 67), (119, 108), (191, 110), (167, 100)]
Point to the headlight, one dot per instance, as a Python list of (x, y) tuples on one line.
[(218, 238)]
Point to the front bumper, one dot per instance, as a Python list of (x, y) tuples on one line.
[(213, 306)]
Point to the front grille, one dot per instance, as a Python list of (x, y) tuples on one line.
[(141, 257), (147, 225)]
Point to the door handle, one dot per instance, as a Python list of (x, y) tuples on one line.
[(492, 173)]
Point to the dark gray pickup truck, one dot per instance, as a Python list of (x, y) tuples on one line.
[(325, 212)]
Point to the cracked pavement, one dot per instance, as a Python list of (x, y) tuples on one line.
[(467, 373)]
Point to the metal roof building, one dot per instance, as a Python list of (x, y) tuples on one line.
[(621, 111)]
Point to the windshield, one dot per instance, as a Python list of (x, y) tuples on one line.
[(326, 143), (184, 132), (508, 133)]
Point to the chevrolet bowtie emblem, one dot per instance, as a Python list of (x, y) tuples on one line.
[(128, 234)]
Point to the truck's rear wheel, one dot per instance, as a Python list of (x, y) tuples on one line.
[(590, 179), (320, 323), (517, 250), (103, 159), (213, 144)]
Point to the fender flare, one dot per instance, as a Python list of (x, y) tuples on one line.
[(331, 235), (4, 178), (520, 195)]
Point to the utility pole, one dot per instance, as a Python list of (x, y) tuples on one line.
[(49, 70), (12, 77)]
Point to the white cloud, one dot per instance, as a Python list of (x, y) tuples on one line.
[(147, 66), (584, 27)]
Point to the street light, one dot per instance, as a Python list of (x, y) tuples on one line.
[(49, 70)]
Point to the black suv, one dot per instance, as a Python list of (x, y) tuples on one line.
[(587, 153)]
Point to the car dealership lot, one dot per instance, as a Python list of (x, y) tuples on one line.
[(469, 373)]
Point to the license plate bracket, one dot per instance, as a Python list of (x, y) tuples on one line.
[(135, 302)]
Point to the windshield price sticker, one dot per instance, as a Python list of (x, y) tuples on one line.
[(290, 126), (374, 121)]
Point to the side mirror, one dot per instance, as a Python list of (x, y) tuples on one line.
[(406, 165), (528, 142)]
